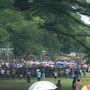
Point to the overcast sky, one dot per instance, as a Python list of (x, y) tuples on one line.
[(85, 19), (88, 0)]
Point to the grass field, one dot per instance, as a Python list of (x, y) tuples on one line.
[(22, 85)]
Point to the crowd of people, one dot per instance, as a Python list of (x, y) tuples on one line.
[(41, 72), (12, 71)]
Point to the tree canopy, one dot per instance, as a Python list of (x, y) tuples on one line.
[(31, 26)]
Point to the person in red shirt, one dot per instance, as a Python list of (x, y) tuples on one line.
[(78, 85)]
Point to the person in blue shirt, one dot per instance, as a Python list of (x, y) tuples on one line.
[(38, 75), (71, 73)]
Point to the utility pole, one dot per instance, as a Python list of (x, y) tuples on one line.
[(8, 53)]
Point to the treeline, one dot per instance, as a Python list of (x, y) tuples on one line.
[(31, 26)]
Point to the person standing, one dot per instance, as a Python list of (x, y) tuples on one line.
[(74, 81), (67, 72), (7, 74), (59, 86), (71, 73), (28, 75), (80, 74), (38, 75), (3, 73), (55, 74), (78, 85), (76, 73), (43, 73), (13, 74)]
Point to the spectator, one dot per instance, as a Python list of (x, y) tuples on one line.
[(77, 85), (59, 86), (38, 75), (55, 74), (43, 73), (67, 72), (74, 81), (28, 75), (71, 73), (80, 74)]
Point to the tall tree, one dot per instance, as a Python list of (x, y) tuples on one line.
[(34, 25)]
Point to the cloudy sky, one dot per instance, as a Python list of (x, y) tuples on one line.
[(85, 19)]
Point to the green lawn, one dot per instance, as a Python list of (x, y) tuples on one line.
[(22, 85)]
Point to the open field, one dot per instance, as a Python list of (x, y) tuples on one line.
[(22, 85)]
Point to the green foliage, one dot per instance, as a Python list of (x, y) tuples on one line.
[(35, 25), (21, 4), (3, 37), (6, 4), (23, 34)]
